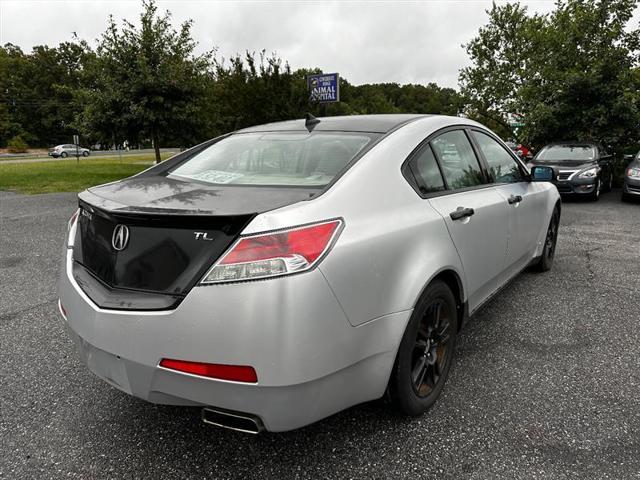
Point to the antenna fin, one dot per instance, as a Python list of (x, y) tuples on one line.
[(310, 122)]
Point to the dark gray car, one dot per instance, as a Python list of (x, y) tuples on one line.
[(584, 169), (631, 187)]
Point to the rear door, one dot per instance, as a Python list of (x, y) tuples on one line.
[(525, 200), (475, 214)]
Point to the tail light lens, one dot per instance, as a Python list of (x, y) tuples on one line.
[(274, 254), (71, 228)]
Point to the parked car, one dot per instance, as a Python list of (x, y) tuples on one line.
[(68, 150), (523, 152), (285, 272), (514, 147), (631, 187), (583, 169)]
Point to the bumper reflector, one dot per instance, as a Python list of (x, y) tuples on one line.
[(236, 373)]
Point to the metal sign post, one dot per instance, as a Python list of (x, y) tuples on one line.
[(76, 141)]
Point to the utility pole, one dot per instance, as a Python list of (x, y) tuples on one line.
[(75, 141)]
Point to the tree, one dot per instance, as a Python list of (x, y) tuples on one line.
[(500, 56), (145, 84), (38, 90), (146, 81), (585, 88), (570, 73)]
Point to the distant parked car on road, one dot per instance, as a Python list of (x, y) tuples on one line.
[(68, 150), (523, 152), (583, 168), (631, 187)]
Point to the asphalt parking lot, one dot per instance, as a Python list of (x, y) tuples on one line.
[(546, 382)]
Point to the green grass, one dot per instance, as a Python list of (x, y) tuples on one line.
[(68, 175)]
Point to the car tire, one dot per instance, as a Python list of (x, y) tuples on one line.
[(426, 351), (595, 196), (550, 241), (610, 182), (63, 155), (85, 154)]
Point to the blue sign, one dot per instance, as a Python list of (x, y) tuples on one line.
[(324, 88)]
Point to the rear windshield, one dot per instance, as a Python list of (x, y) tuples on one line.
[(275, 159), (567, 152)]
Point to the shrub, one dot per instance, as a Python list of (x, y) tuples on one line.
[(17, 145)]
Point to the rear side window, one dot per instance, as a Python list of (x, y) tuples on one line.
[(459, 164), (502, 166), (425, 168), (275, 158)]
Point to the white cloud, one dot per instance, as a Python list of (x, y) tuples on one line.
[(366, 42)]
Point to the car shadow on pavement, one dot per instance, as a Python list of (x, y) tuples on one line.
[(178, 439)]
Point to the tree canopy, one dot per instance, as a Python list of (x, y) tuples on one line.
[(571, 74), (145, 84), (145, 81)]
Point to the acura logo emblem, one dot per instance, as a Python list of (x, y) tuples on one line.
[(120, 237)]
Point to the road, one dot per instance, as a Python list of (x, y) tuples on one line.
[(93, 156), (546, 382)]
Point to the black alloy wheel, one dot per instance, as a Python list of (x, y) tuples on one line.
[(431, 352), (426, 351)]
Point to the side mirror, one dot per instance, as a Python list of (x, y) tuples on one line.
[(543, 174)]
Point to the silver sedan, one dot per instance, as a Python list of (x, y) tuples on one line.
[(285, 272), (68, 150)]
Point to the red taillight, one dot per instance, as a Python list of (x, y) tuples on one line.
[(273, 254), (236, 373), (308, 242)]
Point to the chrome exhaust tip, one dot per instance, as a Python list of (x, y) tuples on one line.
[(240, 422)]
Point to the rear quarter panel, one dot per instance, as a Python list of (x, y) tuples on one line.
[(393, 242)]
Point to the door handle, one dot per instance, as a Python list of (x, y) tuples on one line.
[(461, 213), (514, 199)]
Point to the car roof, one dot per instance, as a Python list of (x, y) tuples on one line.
[(351, 123), (572, 144)]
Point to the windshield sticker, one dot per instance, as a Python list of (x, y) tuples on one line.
[(217, 176)]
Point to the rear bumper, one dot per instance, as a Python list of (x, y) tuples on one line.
[(309, 360)]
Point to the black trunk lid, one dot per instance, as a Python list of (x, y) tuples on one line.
[(164, 254), (176, 231)]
